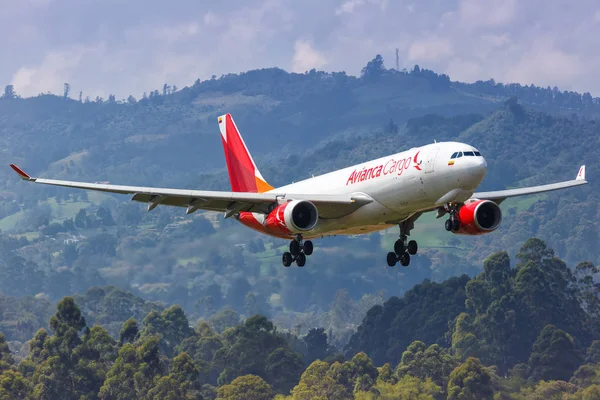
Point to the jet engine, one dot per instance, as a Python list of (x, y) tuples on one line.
[(296, 216), (479, 217)]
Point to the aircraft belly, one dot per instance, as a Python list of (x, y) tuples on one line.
[(373, 216)]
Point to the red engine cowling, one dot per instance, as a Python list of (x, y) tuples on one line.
[(479, 217), (296, 216)]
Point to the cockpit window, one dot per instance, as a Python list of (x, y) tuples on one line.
[(469, 154), (478, 154), (454, 155), (459, 154)]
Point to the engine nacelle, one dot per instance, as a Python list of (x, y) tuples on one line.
[(296, 216), (479, 217)]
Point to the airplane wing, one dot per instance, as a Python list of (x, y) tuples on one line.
[(329, 206), (501, 195)]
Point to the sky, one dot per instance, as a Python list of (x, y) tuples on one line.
[(124, 47)]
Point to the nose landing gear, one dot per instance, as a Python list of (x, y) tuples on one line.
[(299, 249), (452, 223)]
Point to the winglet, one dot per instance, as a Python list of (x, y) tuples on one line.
[(581, 174), (21, 173)]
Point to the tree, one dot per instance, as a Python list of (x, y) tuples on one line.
[(9, 92), (283, 368), (129, 331), (119, 382), (68, 315), (171, 325), (534, 250), (81, 219), (94, 356), (247, 387), (593, 353), (409, 387), (61, 370), (358, 374), (6, 359), (316, 383), (549, 390), (470, 381), (423, 362), (66, 91), (374, 69), (69, 254), (252, 349), (316, 345), (224, 319), (13, 385), (105, 216), (421, 314), (554, 356), (586, 375), (181, 383), (464, 342)]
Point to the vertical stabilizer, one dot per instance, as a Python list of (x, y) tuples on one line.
[(243, 173)]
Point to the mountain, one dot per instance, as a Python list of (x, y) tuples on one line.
[(58, 242)]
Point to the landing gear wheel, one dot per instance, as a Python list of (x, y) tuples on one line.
[(301, 260), (392, 259), (412, 247), (295, 247), (308, 247), (456, 225), (287, 259), (404, 260), (449, 225), (399, 247)]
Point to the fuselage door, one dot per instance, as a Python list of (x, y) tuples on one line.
[(430, 160)]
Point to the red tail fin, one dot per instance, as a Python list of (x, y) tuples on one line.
[(243, 173)]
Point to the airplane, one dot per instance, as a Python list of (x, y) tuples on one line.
[(364, 198)]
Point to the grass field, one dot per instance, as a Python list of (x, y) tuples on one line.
[(60, 211)]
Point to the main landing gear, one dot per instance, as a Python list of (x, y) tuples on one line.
[(402, 250), (299, 249), (452, 223)]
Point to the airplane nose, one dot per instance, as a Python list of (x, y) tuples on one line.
[(475, 169), (480, 167), (483, 162)]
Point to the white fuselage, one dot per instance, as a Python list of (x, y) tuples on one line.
[(400, 185)]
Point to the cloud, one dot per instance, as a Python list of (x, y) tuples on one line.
[(149, 42), (544, 64), (306, 57), (348, 6), (210, 19), (430, 49), (56, 68), (491, 13)]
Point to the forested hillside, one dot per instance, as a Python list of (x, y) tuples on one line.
[(521, 329), (460, 303)]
